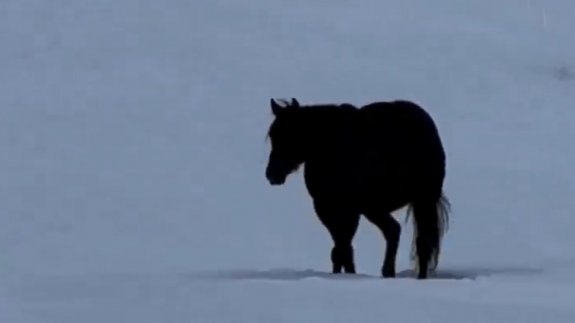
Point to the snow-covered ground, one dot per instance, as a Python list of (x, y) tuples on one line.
[(133, 149)]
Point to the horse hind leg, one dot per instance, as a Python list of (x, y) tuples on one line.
[(391, 230)]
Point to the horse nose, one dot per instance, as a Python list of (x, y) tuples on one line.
[(276, 181), (269, 176), (272, 179)]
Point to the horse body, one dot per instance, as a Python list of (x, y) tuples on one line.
[(366, 161)]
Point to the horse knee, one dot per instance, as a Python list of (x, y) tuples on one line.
[(391, 230)]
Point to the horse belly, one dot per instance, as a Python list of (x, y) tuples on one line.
[(358, 185), (383, 191)]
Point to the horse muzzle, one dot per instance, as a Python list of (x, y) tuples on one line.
[(275, 179)]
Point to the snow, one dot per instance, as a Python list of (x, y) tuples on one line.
[(133, 155)]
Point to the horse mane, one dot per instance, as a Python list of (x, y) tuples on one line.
[(325, 111), (330, 106)]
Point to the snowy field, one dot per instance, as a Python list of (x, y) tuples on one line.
[(133, 150)]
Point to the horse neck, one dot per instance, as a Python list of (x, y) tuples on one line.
[(327, 128)]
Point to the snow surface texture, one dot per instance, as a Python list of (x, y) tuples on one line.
[(133, 155)]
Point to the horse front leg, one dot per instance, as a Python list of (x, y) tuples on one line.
[(342, 225)]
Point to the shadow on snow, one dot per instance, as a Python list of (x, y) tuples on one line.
[(294, 274)]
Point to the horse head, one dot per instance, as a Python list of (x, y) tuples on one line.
[(287, 141)]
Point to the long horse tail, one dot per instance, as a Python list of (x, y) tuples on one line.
[(441, 218)]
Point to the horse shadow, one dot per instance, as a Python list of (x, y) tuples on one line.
[(278, 274), (281, 274), (473, 273)]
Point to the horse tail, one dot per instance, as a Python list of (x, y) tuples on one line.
[(441, 218)]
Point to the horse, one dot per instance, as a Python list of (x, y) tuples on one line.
[(370, 161)]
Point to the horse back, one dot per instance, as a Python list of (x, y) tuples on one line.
[(399, 137), (400, 124)]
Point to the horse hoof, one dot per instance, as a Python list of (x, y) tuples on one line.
[(423, 274), (386, 274)]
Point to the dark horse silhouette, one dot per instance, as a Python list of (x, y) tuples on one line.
[(371, 160)]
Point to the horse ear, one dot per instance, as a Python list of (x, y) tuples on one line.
[(275, 107), (294, 103)]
